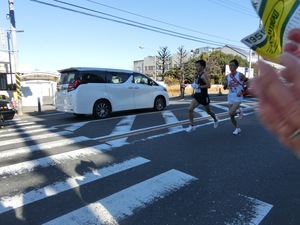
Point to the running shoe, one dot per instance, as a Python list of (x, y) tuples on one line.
[(190, 128), (216, 123), (241, 114), (237, 131)]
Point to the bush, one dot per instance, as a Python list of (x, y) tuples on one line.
[(171, 81)]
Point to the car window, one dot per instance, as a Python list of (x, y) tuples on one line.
[(117, 78), (67, 78), (93, 77), (141, 79)]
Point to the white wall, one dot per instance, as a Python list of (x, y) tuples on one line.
[(34, 89)]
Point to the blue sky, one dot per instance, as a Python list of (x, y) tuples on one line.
[(54, 39)]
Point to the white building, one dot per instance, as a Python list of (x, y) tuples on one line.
[(38, 86)]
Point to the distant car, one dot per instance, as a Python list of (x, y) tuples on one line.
[(7, 112), (101, 91)]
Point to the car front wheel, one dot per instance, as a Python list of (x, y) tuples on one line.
[(102, 109), (159, 103)]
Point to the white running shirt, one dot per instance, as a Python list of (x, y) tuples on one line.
[(234, 86)]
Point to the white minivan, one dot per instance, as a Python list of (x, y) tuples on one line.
[(101, 91)]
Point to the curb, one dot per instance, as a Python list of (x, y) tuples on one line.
[(34, 111)]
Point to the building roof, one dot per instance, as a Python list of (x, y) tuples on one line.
[(238, 50), (40, 76)]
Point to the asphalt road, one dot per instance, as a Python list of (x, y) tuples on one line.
[(141, 167)]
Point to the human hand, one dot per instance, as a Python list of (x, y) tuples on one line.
[(279, 104), (293, 47), (195, 86)]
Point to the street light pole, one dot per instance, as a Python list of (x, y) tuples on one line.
[(155, 62)]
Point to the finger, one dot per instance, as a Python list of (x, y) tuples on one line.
[(270, 90), (258, 83), (294, 35), (293, 48), (278, 107), (267, 85), (282, 125), (291, 73)]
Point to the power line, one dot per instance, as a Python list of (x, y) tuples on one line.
[(130, 22), (173, 25), (232, 6), (165, 30), (239, 7)]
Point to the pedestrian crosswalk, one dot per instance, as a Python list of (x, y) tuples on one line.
[(117, 206), (44, 165)]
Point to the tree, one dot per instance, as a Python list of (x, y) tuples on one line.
[(182, 53), (219, 60), (214, 70), (163, 60), (216, 62), (189, 70)]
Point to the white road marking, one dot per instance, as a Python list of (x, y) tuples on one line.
[(40, 147), (16, 201), (246, 106), (24, 167), (201, 112), (34, 138), (170, 118), (225, 108), (76, 126), (124, 125), (249, 100), (20, 128), (260, 210), (114, 208), (27, 132)]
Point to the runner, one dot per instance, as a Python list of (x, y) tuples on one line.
[(235, 82), (200, 86)]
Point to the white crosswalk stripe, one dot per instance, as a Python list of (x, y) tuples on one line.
[(170, 118), (34, 138), (26, 132), (15, 130), (40, 147), (24, 167), (72, 182), (122, 204)]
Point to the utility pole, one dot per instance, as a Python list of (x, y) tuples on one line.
[(250, 61), (9, 58), (16, 58)]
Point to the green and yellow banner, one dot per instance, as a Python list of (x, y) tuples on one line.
[(278, 17)]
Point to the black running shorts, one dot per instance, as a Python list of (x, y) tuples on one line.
[(201, 98)]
